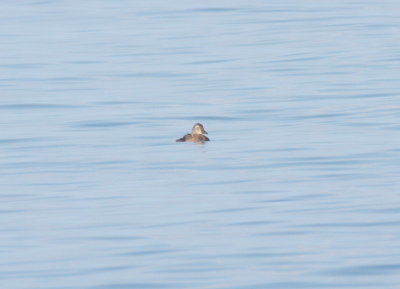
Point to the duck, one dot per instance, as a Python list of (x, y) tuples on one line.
[(196, 135)]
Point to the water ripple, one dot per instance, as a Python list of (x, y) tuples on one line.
[(380, 269)]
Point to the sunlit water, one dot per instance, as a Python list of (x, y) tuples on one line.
[(298, 188)]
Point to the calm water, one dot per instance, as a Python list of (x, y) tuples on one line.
[(299, 187)]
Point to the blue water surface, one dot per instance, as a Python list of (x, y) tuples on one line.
[(298, 188)]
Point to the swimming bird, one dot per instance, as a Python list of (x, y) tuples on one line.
[(196, 135)]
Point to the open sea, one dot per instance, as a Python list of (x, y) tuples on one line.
[(299, 187)]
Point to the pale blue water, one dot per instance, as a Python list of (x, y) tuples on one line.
[(298, 188)]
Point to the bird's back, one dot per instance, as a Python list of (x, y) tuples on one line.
[(193, 138), (186, 137)]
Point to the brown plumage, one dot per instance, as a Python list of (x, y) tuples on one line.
[(196, 135)]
